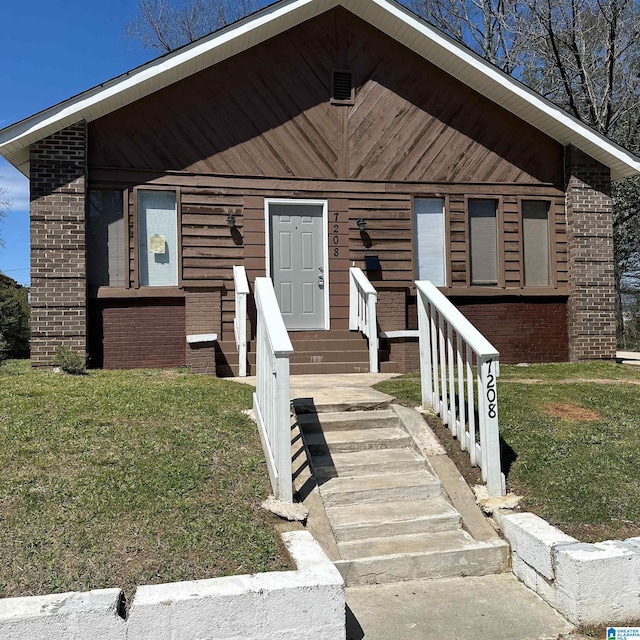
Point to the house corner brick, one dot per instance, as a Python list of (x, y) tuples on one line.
[(58, 166), (591, 310)]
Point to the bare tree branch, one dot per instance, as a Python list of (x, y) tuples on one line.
[(165, 25)]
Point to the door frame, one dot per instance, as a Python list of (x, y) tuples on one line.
[(325, 245)]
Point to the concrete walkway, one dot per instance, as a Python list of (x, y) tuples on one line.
[(496, 607)]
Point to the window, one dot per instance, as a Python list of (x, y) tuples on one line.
[(483, 234), (157, 238), (430, 240), (535, 242), (106, 239)]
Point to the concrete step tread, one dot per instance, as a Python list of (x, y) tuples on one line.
[(368, 462), (414, 544), (393, 512), (381, 487), (349, 484), (391, 436), (347, 420)]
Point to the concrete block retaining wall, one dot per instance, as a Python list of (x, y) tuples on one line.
[(291, 605), (587, 583)]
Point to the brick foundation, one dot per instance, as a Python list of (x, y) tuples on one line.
[(522, 330), (203, 314), (591, 307), (58, 263), (392, 316), (128, 334)]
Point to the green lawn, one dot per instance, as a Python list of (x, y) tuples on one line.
[(120, 478), (572, 448)]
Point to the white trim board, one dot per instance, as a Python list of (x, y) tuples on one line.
[(386, 15)]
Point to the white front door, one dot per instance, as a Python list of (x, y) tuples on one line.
[(298, 261)]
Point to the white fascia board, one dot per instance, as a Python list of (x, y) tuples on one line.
[(161, 72), (477, 73)]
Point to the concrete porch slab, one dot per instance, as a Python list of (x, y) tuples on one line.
[(340, 392)]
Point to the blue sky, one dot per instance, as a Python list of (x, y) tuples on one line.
[(49, 51)]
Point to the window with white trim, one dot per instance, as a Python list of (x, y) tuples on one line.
[(157, 238), (535, 242), (430, 240), (483, 241)]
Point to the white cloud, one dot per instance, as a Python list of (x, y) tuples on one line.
[(15, 185)]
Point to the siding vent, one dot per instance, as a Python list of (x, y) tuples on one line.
[(342, 88)]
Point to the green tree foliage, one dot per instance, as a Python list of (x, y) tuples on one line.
[(14, 317)]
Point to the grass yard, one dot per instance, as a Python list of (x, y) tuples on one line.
[(120, 478), (572, 443)]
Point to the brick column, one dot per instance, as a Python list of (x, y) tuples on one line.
[(591, 305), (203, 314), (58, 264)]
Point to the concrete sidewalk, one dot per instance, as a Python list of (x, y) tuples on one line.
[(493, 607)]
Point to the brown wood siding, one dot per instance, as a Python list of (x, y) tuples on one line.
[(261, 125), (210, 248), (267, 112)]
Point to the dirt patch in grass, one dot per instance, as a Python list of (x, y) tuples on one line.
[(570, 411)]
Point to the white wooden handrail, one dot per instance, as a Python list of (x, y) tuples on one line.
[(271, 400), (240, 320), (362, 312), (450, 346)]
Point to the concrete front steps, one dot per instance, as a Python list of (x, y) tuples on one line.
[(390, 516), (315, 352)]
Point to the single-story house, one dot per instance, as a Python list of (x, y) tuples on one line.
[(306, 138)]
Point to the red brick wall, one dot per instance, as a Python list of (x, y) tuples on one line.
[(522, 330), (531, 331), (391, 309), (203, 314), (138, 333)]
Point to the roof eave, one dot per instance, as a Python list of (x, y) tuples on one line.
[(390, 17)]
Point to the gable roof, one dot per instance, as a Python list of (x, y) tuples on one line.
[(386, 15)]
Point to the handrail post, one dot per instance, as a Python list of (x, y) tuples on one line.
[(362, 312), (282, 418), (489, 432), (353, 302), (372, 299), (240, 320), (424, 344)]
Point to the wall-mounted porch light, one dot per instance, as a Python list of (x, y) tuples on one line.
[(231, 221), (362, 224)]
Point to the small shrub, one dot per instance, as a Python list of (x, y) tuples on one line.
[(70, 361), (4, 350)]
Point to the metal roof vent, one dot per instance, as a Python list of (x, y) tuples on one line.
[(342, 87)]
